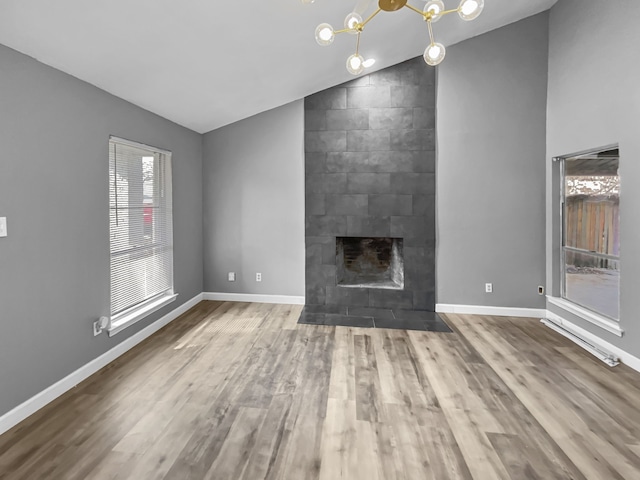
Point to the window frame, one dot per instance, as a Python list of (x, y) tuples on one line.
[(136, 312), (603, 321)]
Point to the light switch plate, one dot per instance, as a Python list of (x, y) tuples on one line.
[(3, 226)]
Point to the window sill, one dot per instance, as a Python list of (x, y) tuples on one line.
[(120, 322), (601, 321)]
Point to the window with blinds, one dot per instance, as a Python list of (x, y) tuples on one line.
[(140, 228)]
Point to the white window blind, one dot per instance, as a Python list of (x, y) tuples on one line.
[(140, 226)]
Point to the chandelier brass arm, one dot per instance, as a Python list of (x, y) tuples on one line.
[(371, 17), (430, 13), (433, 11)]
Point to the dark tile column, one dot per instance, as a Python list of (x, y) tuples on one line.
[(370, 172)]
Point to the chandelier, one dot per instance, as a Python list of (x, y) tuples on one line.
[(433, 11)]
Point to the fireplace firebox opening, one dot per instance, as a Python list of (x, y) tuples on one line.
[(369, 262)]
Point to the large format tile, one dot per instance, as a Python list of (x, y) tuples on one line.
[(369, 97), (424, 118), (346, 296), (368, 183), (412, 140), (331, 99), (326, 183), (332, 319), (410, 96), (347, 204), (315, 162), (412, 183), (392, 299), (391, 118), (315, 120), (420, 325), (423, 204), (314, 294), (370, 226), (386, 205), (315, 203), (331, 225), (368, 140), (376, 313), (396, 161), (348, 162), (349, 119), (416, 231), (319, 141)]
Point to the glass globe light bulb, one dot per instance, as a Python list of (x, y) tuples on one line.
[(470, 9), (355, 64), (325, 34), (351, 21), (435, 7), (434, 54)]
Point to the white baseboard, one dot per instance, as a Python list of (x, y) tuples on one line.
[(254, 298), (625, 357), (35, 403), (485, 310)]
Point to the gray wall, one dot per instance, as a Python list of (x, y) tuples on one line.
[(54, 265), (370, 161), (254, 204), (490, 170), (594, 101)]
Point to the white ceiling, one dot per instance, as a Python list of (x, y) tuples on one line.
[(205, 64)]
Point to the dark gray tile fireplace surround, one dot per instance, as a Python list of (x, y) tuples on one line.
[(370, 172)]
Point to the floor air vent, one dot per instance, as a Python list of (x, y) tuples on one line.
[(597, 351)]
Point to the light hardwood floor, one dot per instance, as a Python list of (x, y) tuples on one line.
[(240, 391)]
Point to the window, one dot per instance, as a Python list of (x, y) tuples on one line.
[(140, 228), (591, 231)]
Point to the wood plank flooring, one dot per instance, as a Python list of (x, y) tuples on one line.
[(241, 391)]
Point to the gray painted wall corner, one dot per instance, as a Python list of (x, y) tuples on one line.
[(492, 93), (253, 176)]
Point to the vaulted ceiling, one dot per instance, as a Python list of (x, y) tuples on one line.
[(205, 64)]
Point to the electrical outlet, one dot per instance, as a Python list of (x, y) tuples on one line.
[(99, 325), (540, 290), (3, 226), (232, 276), (258, 277), (488, 287)]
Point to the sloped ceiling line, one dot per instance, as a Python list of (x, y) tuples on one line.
[(205, 64)]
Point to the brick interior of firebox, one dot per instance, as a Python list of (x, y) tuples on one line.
[(369, 262)]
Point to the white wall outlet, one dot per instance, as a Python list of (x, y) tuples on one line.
[(258, 277), (540, 290), (3, 226), (232, 276), (488, 287)]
